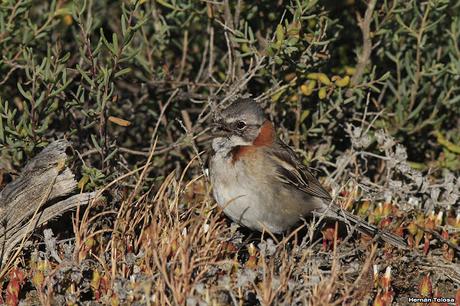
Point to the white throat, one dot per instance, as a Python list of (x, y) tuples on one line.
[(223, 145)]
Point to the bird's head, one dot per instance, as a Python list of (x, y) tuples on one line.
[(243, 123)]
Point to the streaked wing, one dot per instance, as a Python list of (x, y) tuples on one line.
[(291, 171)]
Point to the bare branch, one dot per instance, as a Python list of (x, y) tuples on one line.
[(364, 57)]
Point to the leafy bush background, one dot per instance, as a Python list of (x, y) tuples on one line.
[(66, 67), (118, 78)]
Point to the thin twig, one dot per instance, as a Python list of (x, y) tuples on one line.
[(364, 57)]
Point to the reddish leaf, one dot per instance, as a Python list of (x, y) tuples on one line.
[(386, 279), (14, 286), (425, 286), (426, 246)]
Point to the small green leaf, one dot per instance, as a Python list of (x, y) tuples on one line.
[(279, 35), (115, 41), (85, 76), (25, 94), (122, 72), (304, 115)]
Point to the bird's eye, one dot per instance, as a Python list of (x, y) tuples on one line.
[(240, 125)]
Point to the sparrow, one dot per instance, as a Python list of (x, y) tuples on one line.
[(260, 183)]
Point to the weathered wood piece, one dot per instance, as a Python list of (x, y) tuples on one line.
[(39, 194)]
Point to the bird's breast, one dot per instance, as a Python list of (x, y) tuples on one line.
[(244, 192)]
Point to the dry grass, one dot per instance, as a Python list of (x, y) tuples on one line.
[(168, 243), (171, 245)]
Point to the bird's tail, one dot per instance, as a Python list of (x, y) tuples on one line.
[(364, 227)]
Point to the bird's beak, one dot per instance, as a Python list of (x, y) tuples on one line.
[(219, 129)]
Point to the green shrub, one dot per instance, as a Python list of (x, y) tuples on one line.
[(75, 69)]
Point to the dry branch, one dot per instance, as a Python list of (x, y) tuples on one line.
[(364, 57), (37, 196)]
